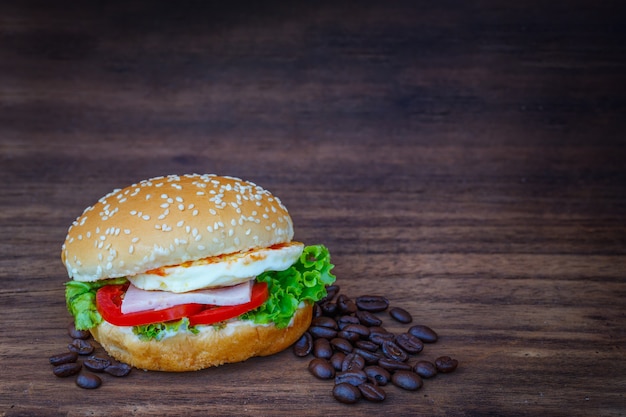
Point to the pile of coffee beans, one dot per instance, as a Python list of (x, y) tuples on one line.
[(351, 346), (68, 364)]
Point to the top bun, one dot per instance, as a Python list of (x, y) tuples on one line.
[(169, 220)]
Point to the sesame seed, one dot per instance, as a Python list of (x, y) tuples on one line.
[(194, 213), (135, 240), (180, 223), (145, 217), (181, 207)]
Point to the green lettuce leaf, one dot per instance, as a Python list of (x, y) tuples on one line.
[(158, 331), (306, 280), (80, 298)]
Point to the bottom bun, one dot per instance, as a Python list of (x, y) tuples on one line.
[(235, 342)]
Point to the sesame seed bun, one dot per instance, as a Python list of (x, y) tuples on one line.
[(171, 220)]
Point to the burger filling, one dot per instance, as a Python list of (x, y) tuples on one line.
[(269, 297)]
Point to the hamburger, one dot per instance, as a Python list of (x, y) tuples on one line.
[(181, 273)]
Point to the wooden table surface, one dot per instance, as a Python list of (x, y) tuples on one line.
[(466, 159)]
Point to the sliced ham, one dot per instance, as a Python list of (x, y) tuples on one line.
[(137, 299)]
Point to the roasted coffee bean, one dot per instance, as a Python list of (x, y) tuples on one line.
[(368, 319), (329, 309), (346, 393), (407, 380), (80, 346), (372, 303), (372, 392), (337, 360), (377, 374), (446, 364), (367, 345), (392, 365), (353, 362), (324, 321), (401, 315), (409, 343), (425, 369), (77, 334), (304, 345), (317, 310), (351, 336), (369, 356), (88, 381), (379, 334), (393, 351), (322, 349), (321, 368), (361, 330), (341, 345), (331, 292), (354, 377), (66, 369), (344, 321), (345, 305), (118, 369), (62, 358), (96, 364), (322, 332), (424, 333)]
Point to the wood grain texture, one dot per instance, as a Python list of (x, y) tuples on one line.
[(464, 158)]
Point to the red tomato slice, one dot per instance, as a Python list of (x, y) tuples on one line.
[(215, 314), (109, 304)]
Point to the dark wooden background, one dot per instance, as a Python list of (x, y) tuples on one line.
[(465, 158)]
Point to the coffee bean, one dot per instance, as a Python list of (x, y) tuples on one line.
[(324, 321), (354, 377), (345, 305), (446, 364), (377, 374), (341, 345), (348, 335), (96, 364), (367, 345), (407, 380), (401, 315), (344, 321), (66, 369), (393, 365), (118, 369), (346, 393), (88, 381), (321, 368), (393, 351), (353, 362), (361, 330), (80, 346), (304, 345), (424, 333), (331, 292), (379, 334), (329, 309), (372, 303), (317, 311), (368, 319), (372, 392), (409, 343), (322, 332), (337, 360), (425, 369), (62, 358), (370, 357), (322, 349), (77, 334)]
